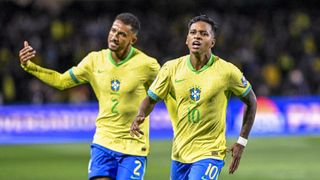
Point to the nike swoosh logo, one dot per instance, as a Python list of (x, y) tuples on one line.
[(179, 80), (133, 177), (100, 71)]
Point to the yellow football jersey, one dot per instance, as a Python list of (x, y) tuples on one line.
[(197, 102), (120, 88)]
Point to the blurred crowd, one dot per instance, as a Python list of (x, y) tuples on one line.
[(275, 43)]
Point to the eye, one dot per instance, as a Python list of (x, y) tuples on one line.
[(192, 32), (204, 33), (113, 30), (122, 34)]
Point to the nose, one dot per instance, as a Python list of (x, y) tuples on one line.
[(197, 35), (114, 36)]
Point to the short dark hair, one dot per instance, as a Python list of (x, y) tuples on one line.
[(206, 19), (129, 19)]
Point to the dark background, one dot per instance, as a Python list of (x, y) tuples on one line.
[(275, 43)]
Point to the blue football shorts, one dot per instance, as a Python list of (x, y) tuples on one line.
[(201, 170), (107, 163)]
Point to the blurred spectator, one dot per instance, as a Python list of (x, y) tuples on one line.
[(295, 84), (275, 43)]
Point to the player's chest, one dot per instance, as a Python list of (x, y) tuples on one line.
[(119, 79), (192, 86)]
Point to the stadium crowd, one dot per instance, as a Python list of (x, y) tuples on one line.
[(275, 44)]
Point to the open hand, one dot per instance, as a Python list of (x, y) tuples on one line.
[(135, 129), (236, 152)]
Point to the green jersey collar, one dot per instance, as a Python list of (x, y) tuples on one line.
[(206, 66), (122, 61)]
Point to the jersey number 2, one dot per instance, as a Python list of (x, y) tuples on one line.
[(114, 106), (135, 171)]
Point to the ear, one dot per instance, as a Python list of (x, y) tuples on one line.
[(213, 42), (134, 40)]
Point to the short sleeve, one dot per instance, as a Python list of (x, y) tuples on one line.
[(154, 68), (81, 72), (238, 84), (161, 85)]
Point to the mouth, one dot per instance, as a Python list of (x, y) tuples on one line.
[(113, 44), (196, 44)]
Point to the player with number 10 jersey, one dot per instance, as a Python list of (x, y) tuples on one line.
[(201, 99)]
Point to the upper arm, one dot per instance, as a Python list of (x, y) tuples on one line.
[(161, 85), (238, 84), (81, 73), (153, 70)]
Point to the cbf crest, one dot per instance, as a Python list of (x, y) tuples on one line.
[(115, 85), (195, 93)]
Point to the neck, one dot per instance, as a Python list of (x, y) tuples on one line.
[(120, 55), (199, 60)]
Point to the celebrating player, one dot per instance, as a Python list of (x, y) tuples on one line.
[(120, 77), (196, 89)]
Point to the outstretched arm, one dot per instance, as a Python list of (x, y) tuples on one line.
[(50, 77), (248, 119), (145, 109)]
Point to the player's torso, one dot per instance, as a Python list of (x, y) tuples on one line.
[(119, 88), (199, 93), (201, 103)]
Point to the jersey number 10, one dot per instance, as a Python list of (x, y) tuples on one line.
[(193, 115)]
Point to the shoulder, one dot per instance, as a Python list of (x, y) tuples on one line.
[(225, 64), (141, 55), (144, 57), (174, 63), (96, 54), (171, 66)]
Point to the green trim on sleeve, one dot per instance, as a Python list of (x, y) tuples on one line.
[(153, 96), (74, 78), (246, 92), (24, 67)]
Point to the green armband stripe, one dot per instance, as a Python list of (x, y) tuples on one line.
[(246, 92), (153, 95), (73, 76)]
